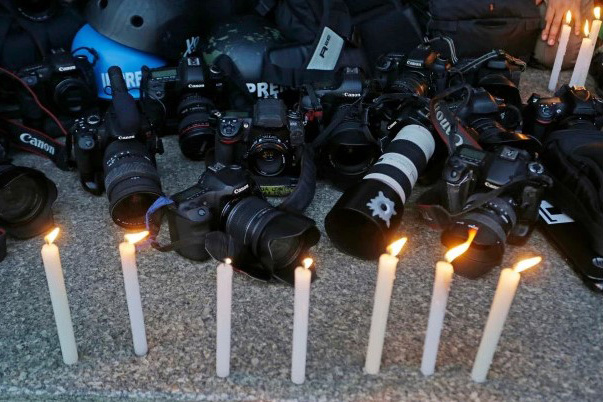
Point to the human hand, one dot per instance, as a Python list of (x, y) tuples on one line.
[(555, 15)]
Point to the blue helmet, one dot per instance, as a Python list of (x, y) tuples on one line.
[(104, 53)]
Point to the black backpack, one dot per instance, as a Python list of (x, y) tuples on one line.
[(478, 26)]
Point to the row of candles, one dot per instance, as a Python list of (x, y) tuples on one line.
[(388, 262), (585, 55)]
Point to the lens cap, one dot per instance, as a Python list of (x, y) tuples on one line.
[(364, 220)]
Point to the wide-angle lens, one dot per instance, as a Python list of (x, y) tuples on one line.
[(267, 157)]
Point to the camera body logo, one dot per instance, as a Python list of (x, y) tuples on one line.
[(63, 69), (325, 47), (28, 139)]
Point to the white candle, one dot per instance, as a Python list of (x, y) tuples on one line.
[(58, 297), (583, 62), (441, 289), (383, 293), (595, 28), (503, 298), (566, 30), (127, 251), (223, 316), (303, 277)]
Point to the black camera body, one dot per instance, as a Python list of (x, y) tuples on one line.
[(64, 83), (423, 72), (182, 99), (225, 215), (116, 153), (497, 192), (572, 107), (268, 144)]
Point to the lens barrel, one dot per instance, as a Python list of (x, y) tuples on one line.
[(131, 181), (278, 239), (26, 198), (366, 217), (196, 136)]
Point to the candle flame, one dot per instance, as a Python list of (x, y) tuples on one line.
[(134, 238), (527, 263), (598, 13), (568, 17), (586, 30), (227, 261), (395, 248), (455, 252), (307, 262), (50, 237)]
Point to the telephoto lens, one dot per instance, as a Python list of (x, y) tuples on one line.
[(196, 134), (364, 220), (26, 198)]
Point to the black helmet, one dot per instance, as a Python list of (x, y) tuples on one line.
[(161, 27)]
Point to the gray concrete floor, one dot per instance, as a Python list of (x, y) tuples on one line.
[(551, 348)]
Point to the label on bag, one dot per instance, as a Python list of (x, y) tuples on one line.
[(327, 51), (553, 215)]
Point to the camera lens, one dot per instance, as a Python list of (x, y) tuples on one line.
[(410, 83), (277, 238), (132, 182), (494, 221), (26, 197), (72, 95), (196, 135), (363, 221), (267, 156)]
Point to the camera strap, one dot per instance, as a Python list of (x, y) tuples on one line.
[(36, 142)]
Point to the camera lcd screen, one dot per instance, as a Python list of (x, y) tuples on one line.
[(164, 73), (472, 153)]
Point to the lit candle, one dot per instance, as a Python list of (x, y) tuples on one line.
[(127, 251), (595, 28), (505, 292), (223, 314), (383, 293), (441, 289), (58, 297), (566, 30), (303, 277), (583, 62)]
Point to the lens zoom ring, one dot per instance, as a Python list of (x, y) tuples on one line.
[(128, 170)]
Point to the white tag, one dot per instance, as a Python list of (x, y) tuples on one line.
[(551, 215), (327, 51)]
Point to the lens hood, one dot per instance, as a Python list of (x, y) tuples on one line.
[(29, 223)]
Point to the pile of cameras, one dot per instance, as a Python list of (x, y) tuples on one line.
[(457, 123)]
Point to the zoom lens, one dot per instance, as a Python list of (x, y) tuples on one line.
[(364, 220), (410, 83), (26, 198), (494, 220), (279, 239), (132, 182), (267, 156), (196, 135)]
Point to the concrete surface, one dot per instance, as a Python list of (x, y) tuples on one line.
[(551, 348)]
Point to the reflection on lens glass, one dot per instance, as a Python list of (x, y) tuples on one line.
[(131, 210), (21, 200), (352, 159), (268, 162), (284, 251)]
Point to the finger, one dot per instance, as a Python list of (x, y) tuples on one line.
[(578, 21), (550, 13), (537, 2), (555, 25)]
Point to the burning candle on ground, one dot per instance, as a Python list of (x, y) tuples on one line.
[(58, 297), (223, 316), (383, 294), (441, 289), (303, 277), (503, 298), (566, 30), (127, 251), (583, 62)]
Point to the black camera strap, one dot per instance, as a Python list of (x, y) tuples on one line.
[(36, 142)]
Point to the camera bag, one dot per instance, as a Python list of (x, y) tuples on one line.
[(479, 26), (575, 159)]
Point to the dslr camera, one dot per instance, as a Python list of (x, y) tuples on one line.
[(226, 204), (63, 82), (346, 146), (268, 144), (181, 99), (572, 107), (497, 192), (117, 154)]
